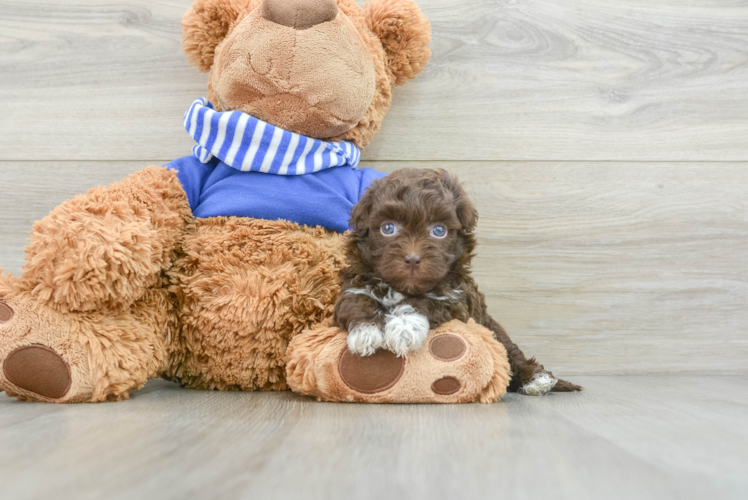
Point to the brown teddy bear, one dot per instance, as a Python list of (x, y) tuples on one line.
[(157, 275)]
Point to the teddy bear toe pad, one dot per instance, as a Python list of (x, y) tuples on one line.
[(447, 347), (6, 313), (370, 374), (446, 386), (38, 369)]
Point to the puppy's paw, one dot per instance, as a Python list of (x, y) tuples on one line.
[(539, 385), (405, 330), (364, 338)]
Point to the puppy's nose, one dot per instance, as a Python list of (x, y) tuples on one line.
[(413, 261), (299, 14)]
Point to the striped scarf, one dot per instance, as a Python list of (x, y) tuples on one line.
[(251, 145)]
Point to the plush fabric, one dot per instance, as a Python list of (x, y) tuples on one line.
[(299, 14), (249, 286), (251, 145), (300, 94), (206, 25), (405, 35), (322, 199), (103, 250), (316, 366), (238, 170), (218, 317), (124, 283), (108, 354), (244, 171)]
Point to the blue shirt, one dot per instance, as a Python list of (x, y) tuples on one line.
[(323, 198)]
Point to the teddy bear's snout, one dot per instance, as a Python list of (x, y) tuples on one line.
[(299, 14), (289, 77)]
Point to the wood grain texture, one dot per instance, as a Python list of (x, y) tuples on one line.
[(594, 268), (30, 190), (509, 80), (624, 438)]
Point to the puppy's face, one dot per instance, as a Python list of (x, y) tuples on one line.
[(412, 228)]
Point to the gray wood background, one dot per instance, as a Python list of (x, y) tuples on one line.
[(605, 143)]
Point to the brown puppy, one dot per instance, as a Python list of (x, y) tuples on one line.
[(408, 271)]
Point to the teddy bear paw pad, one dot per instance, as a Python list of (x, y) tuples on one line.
[(447, 347), (38, 369), (446, 386), (6, 313), (370, 374)]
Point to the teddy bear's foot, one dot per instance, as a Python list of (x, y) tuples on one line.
[(40, 359), (458, 363)]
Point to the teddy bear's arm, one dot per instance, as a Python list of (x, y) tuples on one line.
[(102, 250)]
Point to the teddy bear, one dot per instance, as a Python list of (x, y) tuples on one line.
[(202, 270)]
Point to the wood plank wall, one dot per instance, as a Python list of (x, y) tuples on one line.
[(605, 144)]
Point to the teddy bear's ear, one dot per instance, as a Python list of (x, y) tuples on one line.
[(207, 23), (405, 35)]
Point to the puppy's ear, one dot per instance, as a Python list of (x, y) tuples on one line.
[(467, 214), (405, 35), (207, 23), (359, 221), (466, 211)]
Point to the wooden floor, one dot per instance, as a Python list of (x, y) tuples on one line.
[(632, 437)]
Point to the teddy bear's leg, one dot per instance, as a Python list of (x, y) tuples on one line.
[(81, 356), (40, 356), (89, 318)]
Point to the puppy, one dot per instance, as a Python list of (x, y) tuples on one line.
[(408, 257)]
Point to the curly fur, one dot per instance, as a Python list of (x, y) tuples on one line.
[(102, 250), (207, 23), (258, 283), (441, 287), (405, 35)]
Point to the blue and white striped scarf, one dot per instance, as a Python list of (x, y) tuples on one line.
[(251, 145)]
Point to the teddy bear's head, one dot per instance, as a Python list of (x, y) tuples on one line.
[(320, 68)]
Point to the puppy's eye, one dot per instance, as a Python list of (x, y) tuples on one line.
[(388, 229), (438, 231)]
